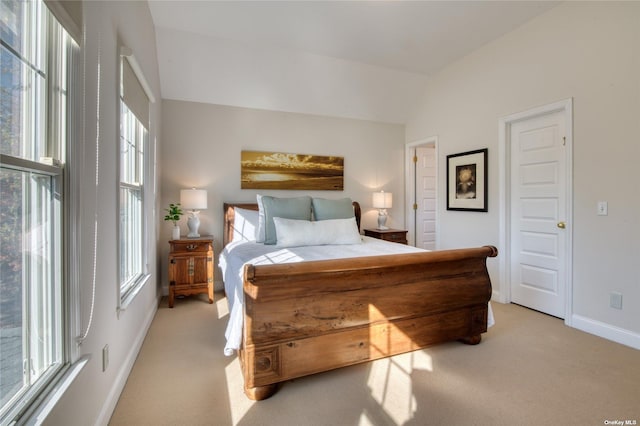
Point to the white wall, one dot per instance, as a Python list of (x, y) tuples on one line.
[(92, 396), (589, 51), (234, 73), (202, 144)]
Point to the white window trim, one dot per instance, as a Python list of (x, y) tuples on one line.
[(42, 408), (124, 300), (38, 402)]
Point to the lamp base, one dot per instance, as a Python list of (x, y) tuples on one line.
[(382, 220), (193, 222)]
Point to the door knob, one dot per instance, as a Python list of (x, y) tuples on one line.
[(561, 225)]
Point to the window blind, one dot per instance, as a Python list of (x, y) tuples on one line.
[(134, 94), (69, 14)]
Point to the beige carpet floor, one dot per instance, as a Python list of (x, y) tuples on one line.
[(530, 369)]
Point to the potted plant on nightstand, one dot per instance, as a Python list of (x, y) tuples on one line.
[(173, 214)]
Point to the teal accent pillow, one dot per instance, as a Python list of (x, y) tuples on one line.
[(324, 209), (287, 208)]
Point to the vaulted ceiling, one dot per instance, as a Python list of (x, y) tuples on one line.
[(358, 59)]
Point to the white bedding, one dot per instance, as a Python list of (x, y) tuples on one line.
[(238, 253)]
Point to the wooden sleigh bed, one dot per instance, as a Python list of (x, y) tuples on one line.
[(314, 316)]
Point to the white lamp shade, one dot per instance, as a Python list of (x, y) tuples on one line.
[(382, 200), (193, 199)]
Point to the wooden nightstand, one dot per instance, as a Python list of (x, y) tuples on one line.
[(394, 235), (190, 267)]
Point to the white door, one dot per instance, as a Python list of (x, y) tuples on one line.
[(425, 197), (538, 216)]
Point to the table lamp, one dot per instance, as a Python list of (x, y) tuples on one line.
[(193, 200), (382, 201)]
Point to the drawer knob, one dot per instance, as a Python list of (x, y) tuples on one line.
[(192, 246)]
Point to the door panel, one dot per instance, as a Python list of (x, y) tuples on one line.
[(426, 197), (538, 204)]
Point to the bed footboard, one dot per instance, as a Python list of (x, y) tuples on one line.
[(309, 317)]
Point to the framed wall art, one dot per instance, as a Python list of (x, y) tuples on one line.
[(467, 181), (277, 170)]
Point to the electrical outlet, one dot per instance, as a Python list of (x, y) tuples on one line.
[(615, 300), (105, 357)]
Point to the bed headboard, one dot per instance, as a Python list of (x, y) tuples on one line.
[(229, 216)]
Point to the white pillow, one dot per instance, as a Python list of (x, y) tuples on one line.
[(245, 224), (295, 233)]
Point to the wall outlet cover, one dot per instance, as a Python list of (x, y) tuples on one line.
[(615, 300)]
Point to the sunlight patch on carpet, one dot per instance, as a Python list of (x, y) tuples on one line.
[(239, 404), (222, 307), (391, 387)]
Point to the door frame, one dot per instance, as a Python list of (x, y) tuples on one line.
[(410, 188), (504, 129)]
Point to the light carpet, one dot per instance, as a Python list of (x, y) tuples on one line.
[(530, 369)]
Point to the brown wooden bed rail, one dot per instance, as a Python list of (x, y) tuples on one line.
[(309, 317)]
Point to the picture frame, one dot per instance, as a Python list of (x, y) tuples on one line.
[(467, 181), (278, 170)]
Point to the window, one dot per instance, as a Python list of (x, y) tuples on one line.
[(134, 121), (35, 58)]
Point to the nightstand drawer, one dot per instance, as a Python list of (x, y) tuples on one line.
[(397, 237), (393, 235), (190, 246)]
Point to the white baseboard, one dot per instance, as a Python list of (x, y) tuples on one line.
[(121, 379), (607, 331)]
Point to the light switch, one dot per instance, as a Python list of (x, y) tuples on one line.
[(603, 208)]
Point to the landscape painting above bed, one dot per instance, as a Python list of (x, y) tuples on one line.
[(277, 170)]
